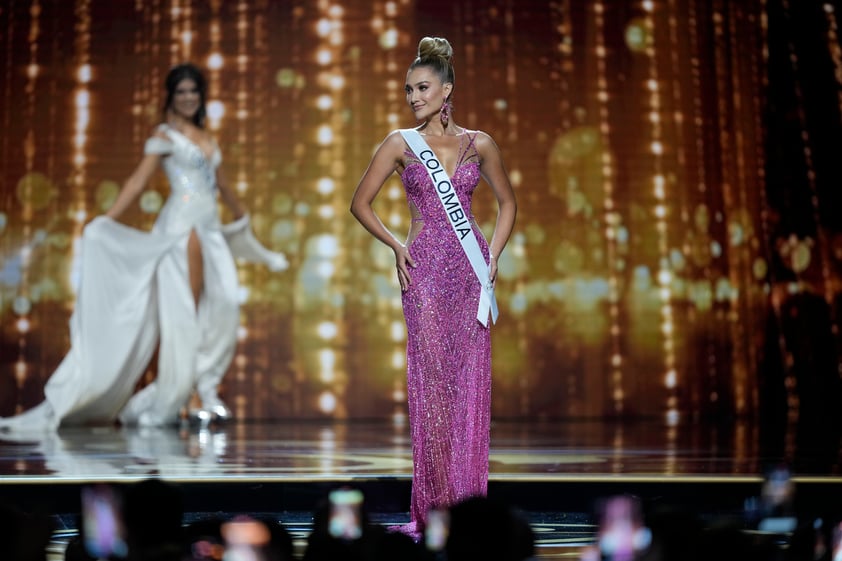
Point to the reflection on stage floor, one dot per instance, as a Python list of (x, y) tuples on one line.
[(553, 471), (312, 451)]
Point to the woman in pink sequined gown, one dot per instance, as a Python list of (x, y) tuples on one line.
[(448, 349)]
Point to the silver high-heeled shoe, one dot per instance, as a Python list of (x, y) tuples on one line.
[(213, 410)]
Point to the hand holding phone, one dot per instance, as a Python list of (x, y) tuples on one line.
[(437, 529), (103, 531), (622, 535), (345, 519)]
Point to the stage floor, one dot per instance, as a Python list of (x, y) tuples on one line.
[(552, 471)]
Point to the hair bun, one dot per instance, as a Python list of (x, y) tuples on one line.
[(435, 47)]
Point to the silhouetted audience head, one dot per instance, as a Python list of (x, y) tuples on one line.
[(280, 545), (24, 536), (482, 529), (390, 546), (153, 512), (477, 529)]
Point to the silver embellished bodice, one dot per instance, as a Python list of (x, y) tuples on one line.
[(192, 176)]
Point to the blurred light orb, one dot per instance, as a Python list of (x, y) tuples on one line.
[(568, 258), (327, 330), (518, 303), (389, 39), (327, 402), (285, 78), (323, 27), (759, 268), (84, 73), (325, 269), (324, 102), (106, 193), (800, 257), (35, 190), (325, 186), (216, 109), (723, 290), (282, 230), (637, 35), (399, 361), (677, 259), (398, 331), (702, 295), (622, 235), (324, 135), (642, 279), (59, 240), (736, 233), (83, 99), (302, 209), (574, 144), (337, 82), (326, 246), (501, 104), (21, 305), (281, 203), (215, 61), (150, 202), (324, 57), (313, 284)]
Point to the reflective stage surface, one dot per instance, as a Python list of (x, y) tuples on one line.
[(553, 471)]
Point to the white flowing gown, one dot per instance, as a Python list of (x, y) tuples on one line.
[(134, 296)]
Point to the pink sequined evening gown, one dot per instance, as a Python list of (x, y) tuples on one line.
[(448, 350)]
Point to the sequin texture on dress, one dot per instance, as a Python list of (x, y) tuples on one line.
[(448, 350)]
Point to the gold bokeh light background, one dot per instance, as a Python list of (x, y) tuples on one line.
[(635, 281)]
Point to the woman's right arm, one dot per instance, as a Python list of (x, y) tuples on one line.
[(134, 185), (382, 165)]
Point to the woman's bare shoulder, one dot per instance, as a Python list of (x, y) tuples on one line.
[(485, 145), (394, 143)]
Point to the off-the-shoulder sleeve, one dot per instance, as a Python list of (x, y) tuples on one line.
[(157, 145)]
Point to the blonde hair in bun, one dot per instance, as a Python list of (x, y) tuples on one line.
[(437, 54)]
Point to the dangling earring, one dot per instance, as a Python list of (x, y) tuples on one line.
[(444, 112)]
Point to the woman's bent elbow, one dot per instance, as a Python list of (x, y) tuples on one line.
[(356, 209)]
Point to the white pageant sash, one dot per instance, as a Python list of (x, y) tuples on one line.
[(458, 219)]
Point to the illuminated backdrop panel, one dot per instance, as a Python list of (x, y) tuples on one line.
[(637, 280)]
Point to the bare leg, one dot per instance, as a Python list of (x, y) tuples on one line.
[(196, 266), (212, 406)]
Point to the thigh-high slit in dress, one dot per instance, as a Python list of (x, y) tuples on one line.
[(134, 297)]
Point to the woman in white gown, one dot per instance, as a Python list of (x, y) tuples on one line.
[(174, 288)]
